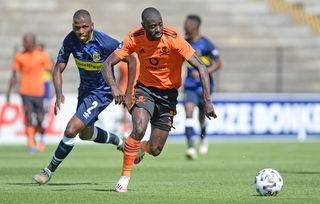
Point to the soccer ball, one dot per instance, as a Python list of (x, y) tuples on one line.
[(268, 182)]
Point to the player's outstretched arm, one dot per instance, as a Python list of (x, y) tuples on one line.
[(112, 60), (57, 82), (12, 82), (132, 69), (215, 66), (204, 77)]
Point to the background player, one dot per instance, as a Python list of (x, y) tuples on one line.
[(47, 75), (192, 84), (30, 65), (48, 93), (160, 51), (89, 48), (123, 83)]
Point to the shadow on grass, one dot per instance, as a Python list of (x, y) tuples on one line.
[(22, 184), (110, 190), (72, 184), (53, 184), (102, 190), (264, 196)]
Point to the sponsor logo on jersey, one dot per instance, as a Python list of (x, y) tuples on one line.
[(154, 61)]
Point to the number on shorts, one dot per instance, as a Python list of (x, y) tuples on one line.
[(88, 112)]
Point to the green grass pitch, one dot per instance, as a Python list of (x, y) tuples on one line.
[(225, 175)]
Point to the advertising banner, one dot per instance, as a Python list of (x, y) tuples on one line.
[(239, 115)]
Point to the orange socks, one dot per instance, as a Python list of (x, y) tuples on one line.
[(131, 149), (30, 130)]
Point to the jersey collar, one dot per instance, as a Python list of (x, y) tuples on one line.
[(90, 38)]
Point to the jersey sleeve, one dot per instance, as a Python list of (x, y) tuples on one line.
[(183, 47), (109, 44), (125, 48), (213, 52), (114, 45), (47, 61), (65, 51), (16, 63)]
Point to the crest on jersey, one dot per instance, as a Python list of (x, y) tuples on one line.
[(164, 51), (96, 56)]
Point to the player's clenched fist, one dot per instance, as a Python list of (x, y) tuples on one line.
[(57, 106)]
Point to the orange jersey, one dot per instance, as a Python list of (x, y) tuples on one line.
[(31, 66), (160, 60)]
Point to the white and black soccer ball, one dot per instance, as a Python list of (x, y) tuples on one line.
[(268, 182)]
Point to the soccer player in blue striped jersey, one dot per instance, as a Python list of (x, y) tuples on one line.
[(90, 48), (192, 84)]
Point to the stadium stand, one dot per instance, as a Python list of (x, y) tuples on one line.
[(264, 47), (302, 11)]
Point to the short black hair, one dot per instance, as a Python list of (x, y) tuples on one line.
[(81, 13), (195, 18), (30, 35), (150, 12)]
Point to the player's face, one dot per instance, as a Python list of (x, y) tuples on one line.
[(29, 43), (153, 27), (82, 27), (190, 27)]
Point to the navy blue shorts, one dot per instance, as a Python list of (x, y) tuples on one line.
[(193, 96), (90, 105)]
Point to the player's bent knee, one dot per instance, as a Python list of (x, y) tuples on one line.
[(70, 132), (155, 151), (139, 132)]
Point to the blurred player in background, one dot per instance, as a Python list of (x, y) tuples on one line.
[(193, 90), (47, 75), (89, 48), (160, 51), (123, 83), (30, 65)]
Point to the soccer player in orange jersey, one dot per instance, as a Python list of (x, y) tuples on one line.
[(30, 65), (161, 51)]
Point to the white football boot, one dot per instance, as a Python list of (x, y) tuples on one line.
[(203, 148), (43, 177), (122, 185), (191, 153)]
